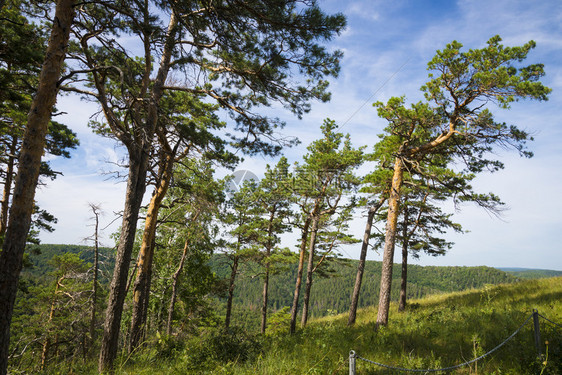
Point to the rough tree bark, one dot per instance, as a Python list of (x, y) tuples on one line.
[(136, 185), (141, 288), (266, 276), (404, 277), (28, 172), (361, 266), (309, 270), (8, 186), (234, 271), (390, 239), (296, 295)]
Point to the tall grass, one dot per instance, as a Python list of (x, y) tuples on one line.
[(434, 332)]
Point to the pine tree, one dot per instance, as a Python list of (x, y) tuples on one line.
[(28, 170), (458, 124), (240, 55), (321, 182)]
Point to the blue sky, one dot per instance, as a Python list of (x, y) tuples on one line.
[(386, 48)]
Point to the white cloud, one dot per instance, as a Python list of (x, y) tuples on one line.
[(382, 36), (367, 10), (67, 198)]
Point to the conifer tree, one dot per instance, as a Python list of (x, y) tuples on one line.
[(270, 215), (240, 246), (241, 55), (28, 169), (321, 181), (456, 122)]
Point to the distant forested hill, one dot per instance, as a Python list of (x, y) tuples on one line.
[(530, 273), (330, 295), (38, 259)]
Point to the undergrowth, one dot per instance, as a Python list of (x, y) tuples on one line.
[(435, 332)]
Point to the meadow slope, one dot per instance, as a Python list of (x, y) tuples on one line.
[(435, 332)]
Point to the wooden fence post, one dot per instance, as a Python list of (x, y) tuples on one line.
[(352, 363), (537, 332)]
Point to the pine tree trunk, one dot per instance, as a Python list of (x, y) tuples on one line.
[(136, 185), (175, 278), (404, 278), (141, 288), (47, 343), (8, 186), (389, 242), (309, 271), (296, 295), (266, 276), (361, 267), (264, 299), (28, 171), (95, 281), (231, 291)]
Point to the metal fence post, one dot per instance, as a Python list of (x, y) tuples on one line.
[(351, 362), (537, 332)]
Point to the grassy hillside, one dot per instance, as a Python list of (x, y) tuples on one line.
[(439, 331)]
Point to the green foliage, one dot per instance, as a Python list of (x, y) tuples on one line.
[(186, 231), (242, 56), (22, 46), (52, 315), (437, 331), (219, 347), (279, 322)]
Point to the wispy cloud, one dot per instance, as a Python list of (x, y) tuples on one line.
[(380, 38)]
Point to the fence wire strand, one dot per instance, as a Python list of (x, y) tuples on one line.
[(550, 321), (451, 367)]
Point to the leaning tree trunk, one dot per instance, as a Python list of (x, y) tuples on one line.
[(389, 241), (361, 266), (295, 307), (231, 291), (141, 288), (32, 148), (136, 185), (8, 185), (309, 271)]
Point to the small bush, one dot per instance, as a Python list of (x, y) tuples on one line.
[(225, 346)]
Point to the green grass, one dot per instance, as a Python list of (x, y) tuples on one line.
[(438, 331)]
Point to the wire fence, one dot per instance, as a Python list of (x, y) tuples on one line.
[(353, 356)]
